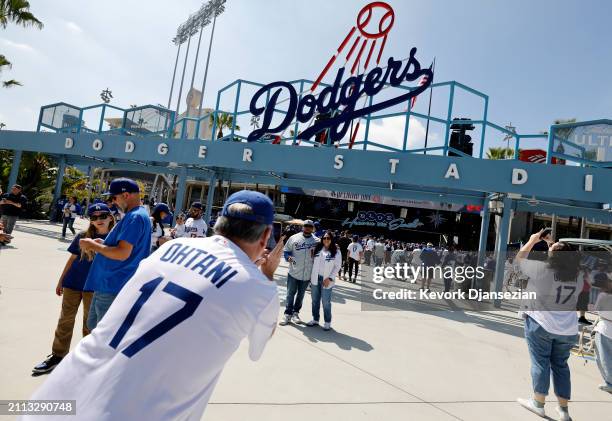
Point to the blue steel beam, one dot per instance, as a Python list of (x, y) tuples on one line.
[(553, 181)]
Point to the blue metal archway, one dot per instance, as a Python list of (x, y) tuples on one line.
[(148, 139)]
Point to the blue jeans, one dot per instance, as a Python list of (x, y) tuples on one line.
[(99, 306), (549, 353), (603, 351), (295, 294), (320, 294)]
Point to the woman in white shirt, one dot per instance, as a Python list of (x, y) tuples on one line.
[(551, 323), (327, 263), (603, 330), (71, 211)]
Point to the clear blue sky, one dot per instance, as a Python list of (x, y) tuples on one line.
[(537, 60)]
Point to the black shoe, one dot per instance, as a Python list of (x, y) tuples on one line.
[(583, 320), (47, 365)]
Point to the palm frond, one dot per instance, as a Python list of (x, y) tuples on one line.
[(11, 83), (4, 62), (18, 12)]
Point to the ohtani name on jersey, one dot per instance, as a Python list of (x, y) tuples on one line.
[(200, 261)]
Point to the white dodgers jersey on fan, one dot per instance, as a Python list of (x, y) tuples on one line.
[(195, 228), (159, 350)]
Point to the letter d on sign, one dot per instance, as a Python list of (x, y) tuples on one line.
[(129, 146), (69, 143), (519, 176)]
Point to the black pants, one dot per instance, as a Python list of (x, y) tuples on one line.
[(68, 222), (353, 263), (344, 267)]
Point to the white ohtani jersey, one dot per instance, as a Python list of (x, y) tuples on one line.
[(159, 350), (195, 228)]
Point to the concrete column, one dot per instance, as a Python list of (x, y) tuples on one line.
[(153, 188), (180, 191), (14, 170), (553, 227), (583, 228), (212, 183), (201, 192), (583, 231), (90, 172), (59, 179), (501, 246), (484, 231)]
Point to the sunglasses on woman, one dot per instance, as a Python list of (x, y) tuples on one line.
[(100, 217), (327, 238)]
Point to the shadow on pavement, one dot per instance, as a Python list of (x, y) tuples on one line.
[(346, 342), (37, 231)]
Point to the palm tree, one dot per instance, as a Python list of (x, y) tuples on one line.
[(17, 12), (224, 120), (7, 64), (500, 153)]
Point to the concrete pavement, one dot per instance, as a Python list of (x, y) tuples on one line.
[(375, 364)]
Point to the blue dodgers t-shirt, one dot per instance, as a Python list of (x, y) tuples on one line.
[(107, 275), (78, 271)]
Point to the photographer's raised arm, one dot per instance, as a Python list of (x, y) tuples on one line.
[(524, 251)]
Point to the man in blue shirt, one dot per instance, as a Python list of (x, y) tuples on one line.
[(118, 256)]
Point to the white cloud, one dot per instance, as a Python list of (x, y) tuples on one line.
[(73, 27), (390, 132), (17, 45)]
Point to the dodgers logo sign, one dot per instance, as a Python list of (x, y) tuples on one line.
[(338, 102), (383, 220)]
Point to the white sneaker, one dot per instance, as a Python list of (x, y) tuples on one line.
[(285, 320), (563, 416), (296, 319), (327, 326), (312, 323), (528, 404)]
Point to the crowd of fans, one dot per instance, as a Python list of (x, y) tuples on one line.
[(122, 231)]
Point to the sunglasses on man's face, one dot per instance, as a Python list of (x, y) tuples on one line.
[(98, 217)]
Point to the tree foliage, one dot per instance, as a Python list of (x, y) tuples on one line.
[(224, 120), (17, 12), (500, 153)]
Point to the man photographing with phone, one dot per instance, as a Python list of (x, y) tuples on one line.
[(160, 349)]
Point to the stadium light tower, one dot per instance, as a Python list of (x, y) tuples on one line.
[(216, 7), (203, 17), (188, 29), (194, 24)]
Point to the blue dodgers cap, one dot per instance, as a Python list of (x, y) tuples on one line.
[(262, 206), (197, 205), (161, 207), (122, 185), (97, 207)]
